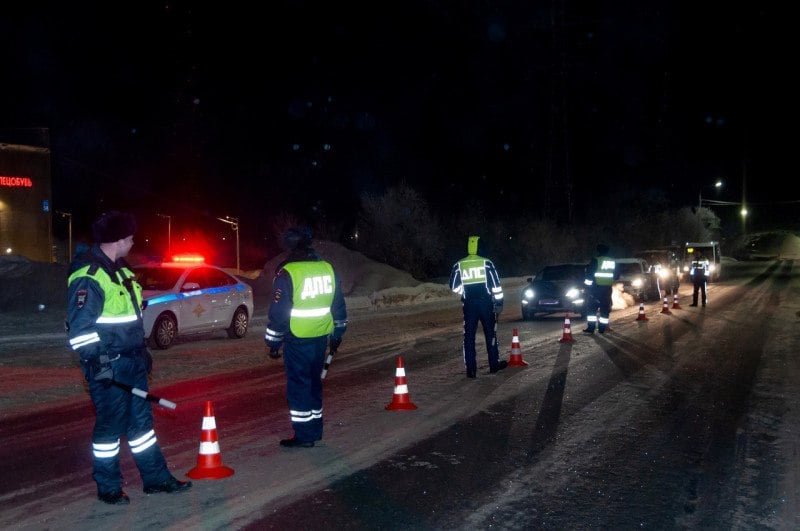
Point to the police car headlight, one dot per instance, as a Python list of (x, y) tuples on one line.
[(529, 293), (572, 293), (637, 282)]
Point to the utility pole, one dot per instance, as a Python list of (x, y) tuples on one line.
[(169, 234), (234, 223), (558, 179), (68, 215)]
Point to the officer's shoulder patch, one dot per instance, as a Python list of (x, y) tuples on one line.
[(276, 295), (80, 298)]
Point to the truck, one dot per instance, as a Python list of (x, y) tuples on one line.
[(710, 251)]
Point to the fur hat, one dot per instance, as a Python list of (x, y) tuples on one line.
[(113, 226), (297, 238)]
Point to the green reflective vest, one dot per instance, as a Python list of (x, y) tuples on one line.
[(604, 274), (117, 303), (313, 286)]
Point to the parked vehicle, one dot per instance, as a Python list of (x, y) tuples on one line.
[(637, 280), (555, 288), (188, 296), (665, 263)]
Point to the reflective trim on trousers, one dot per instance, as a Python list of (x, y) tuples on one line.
[(105, 450)]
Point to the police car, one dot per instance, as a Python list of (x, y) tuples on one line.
[(188, 296)]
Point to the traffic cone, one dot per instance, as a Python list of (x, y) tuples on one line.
[(566, 337), (642, 316), (209, 460), (665, 307), (400, 398), (675, 304), (515, 360)]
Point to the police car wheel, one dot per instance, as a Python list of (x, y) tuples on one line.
[(238, 327), (164, 331)]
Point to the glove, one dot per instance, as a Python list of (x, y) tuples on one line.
[(334, 343), (148, 359), (102, 370), (498, 308)]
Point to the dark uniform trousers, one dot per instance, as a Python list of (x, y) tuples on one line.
[(600, 304), (699, 282), (118, 412), (481, 310), (304, 359)]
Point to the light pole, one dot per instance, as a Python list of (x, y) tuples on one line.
[(717, 185), (744, 213), (68, 215), (169, 234), (234, 223)]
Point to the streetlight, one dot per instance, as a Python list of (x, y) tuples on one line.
[(717, 185), (67, 215), (744, 213), (234, 223), (169, 234)]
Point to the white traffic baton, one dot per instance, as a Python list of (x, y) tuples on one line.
[(145, 395)]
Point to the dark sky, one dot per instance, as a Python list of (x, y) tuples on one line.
[(299, 106)]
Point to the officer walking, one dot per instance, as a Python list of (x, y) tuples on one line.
[(307, 307), (104, 326), (699, 273), (600, 275), (476, 280)]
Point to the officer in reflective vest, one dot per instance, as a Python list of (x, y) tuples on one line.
[(699, 272), (600, 275), (104, 326), (475, 279), (307, 307)]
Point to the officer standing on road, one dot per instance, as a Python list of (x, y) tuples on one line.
[(699, 273), (104, 326), (475, 279), (600, 275), (307, 307)]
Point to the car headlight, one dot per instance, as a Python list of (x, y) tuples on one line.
[(664, 273), (711, 267), (572, 293), (529, 293), (637, 282)]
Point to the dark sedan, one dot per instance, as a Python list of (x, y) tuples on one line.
[(555, 288)]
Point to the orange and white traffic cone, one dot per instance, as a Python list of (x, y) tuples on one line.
[(566, 337), (665, 307), (515, 359), (400, 398), (642, 316), (675, 304), (209, 460)]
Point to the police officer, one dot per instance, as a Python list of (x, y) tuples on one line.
[(307, 308), (476, 280), (104, 326), (699, 273), (600, 275)]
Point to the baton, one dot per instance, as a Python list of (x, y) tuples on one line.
[(331, 352), (145, 395)]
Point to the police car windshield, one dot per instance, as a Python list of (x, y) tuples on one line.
[(157, 278)]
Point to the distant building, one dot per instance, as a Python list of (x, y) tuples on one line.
[(26, 202)]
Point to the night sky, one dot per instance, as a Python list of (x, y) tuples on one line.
[(300, 107)]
